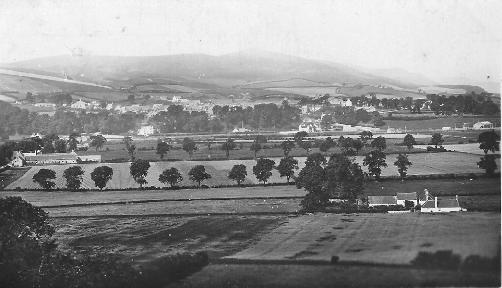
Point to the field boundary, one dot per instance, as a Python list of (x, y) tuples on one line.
[(176, 215)]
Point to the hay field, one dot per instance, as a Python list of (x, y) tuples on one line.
[(423, 163), (378, 238)]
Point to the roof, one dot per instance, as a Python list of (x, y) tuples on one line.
[(448, 203), (382, 200), (52, 156), (429, 204), (407, 196)]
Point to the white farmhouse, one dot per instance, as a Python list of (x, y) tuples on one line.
[(441, 205), (146, 130), (79, 105), (482, 125)]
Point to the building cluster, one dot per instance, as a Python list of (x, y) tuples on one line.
[(428, 204)]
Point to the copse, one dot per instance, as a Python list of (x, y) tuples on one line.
[(263, 169), (139, 170), (73, 176), (238, 173), (198, 174), (101, 175)]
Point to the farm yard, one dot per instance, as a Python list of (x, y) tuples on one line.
[(423, 164)]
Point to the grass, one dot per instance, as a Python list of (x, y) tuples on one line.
[(288, 275), (378, 238), (144, 239)]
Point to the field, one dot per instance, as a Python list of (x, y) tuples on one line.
[(423, 164), (438, 123), (378, 238)]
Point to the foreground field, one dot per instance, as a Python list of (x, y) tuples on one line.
[(378, 238), (423, 164)]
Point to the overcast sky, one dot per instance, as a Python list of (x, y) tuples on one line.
[(439, 39)]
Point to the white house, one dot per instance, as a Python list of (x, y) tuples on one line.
[(411, 196), (482, 125), (51, 158), (381, 201), (146, 130), (441, 205), (79, 105), (310, 127), (17, 160)]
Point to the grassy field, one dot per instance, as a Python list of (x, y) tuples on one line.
[(143, 239), (438, 123), (423, 164), (378, 238), (295, 275)]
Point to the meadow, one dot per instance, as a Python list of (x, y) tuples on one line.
[(423, 164)]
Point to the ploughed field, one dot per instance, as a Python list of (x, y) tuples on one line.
[(423, 164)]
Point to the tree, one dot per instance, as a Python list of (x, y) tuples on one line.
[(306, 145), (488, 163), (327, 144), (48, 143), (299, 136), (365, 136), (287, 146), (375, 160), (43, 178), (227, 146), (25, 236), (198, 174), (139, 170), (6, 152), (171, 176), (162, 148), (101, 175), (409, 141), (357, 144), (73, 142), (287, 166), (130, 147), (73, 176), (60, 146), (238, 173), (437, 139), (255, 147), (402, 164), (263, 169), (344, 179), (489, 141), (379, 143), (261, 139), (189, 146), (97, 141)]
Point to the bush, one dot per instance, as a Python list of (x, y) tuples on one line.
[(479, 263), (443, 259)]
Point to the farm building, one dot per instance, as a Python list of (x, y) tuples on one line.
[(89, 159), (51, 158), (17, 160), (441, 205), (482, 125), (381, 200), (411, 196)]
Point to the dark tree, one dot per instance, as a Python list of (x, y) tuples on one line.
[(489, 141), (437, 140), (287, 146), (198, 174), (43, 178), (60, 146), (300, 136), (171, 176), (379, 143), (73, 176), (344, 179), (365, 136), (189, 146), (6, 152), (97, 141), (409, 141), (358, 145), (402, 164), (162, 148), (130, 147), (73, 142), (227, 146), (488, 163), (101, 175), (287, 167), (263, 169), (375, 160), (255, 147), (306, 145), (139, 170), (238, 173), (261, 139)]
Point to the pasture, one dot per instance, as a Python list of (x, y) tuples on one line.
[(423, 164), (378, 238)]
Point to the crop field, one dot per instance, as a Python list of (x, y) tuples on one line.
[(423, 164), (378, 238)]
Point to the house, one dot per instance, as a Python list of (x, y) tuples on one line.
[(146, 130), (482, 125), (51, 158), (413, 197), (310, 127), (89, 159), (381, 200), (17, 160), (79, 105), (441, 205)]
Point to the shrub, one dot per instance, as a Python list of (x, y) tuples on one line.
[(442, 259)]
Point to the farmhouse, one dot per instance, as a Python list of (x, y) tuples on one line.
[(441, 205), (52, 158), (310, 127), (482, 125), (17, 160), (412, 197), (381, 200), (146, 130)]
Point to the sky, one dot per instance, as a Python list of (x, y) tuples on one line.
[(440, 39)]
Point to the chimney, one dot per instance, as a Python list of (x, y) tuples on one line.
[(435, 202)]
